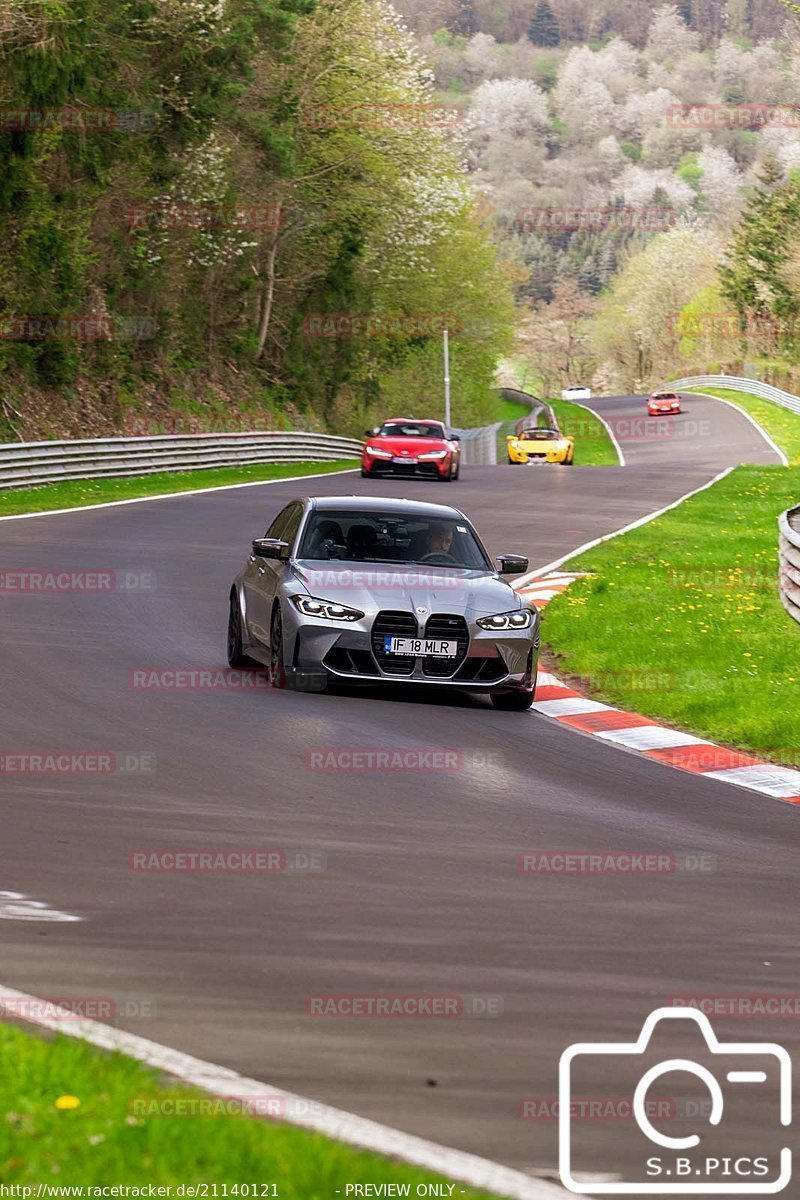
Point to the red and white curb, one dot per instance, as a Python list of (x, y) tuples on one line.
[(555, 699), (542, 591), (478, 1173)]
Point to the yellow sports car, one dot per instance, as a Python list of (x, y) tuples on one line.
[(541, 445)]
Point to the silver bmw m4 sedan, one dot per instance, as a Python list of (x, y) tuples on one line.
[(376, 591)]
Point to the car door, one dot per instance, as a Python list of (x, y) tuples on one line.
[(259, 580)]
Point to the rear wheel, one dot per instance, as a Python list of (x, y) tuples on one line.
[(512, 701)]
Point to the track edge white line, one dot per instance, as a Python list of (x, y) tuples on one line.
[(479, 1173)]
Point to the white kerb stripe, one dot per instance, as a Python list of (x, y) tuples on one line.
[(331, 1122), (651, 737), (774, 781), (570, 707)]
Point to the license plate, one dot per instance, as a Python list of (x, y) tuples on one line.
[(420, 647), (412, 462)]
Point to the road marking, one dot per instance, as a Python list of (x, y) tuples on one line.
[(15, 906), (609, 430), (533, 575), (479, 1173), (569, 707), (225, 487), (773, 445)]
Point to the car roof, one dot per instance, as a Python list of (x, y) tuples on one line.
[(414, 421), (383, 504)]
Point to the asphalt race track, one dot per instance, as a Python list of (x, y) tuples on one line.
[(421, 891)]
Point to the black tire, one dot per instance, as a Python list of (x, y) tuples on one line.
[(236, 655), (512, 462), (277, 671), (512, 701), (457, 470), (364, 474)]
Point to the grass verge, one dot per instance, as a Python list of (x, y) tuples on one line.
[(109, 1139), (782, 425), (681, 619), (78, 492)]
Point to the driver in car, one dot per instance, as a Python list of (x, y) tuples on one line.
[(440, 539)]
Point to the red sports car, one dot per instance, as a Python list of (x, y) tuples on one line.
[(663, 402), (405, 447)]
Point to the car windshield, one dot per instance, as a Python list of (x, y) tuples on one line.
[(539, 435), (418, 429), (375, 537)]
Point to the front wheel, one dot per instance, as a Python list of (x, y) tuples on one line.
[(236, 654), (277, 672), (512, 701)]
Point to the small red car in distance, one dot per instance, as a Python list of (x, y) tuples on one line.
[(663, 402), (406, 447)]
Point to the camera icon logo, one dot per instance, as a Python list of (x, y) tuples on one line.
[(691, 1164)]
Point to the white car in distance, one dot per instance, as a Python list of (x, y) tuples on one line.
[(576, 394)]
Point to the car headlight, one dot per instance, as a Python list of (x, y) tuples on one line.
[(376, 453), (311, 606), (430, 455), (520, 618), (515, 444)]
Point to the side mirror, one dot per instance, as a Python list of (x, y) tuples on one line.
[(455, 437), (372, 432), (512, 564), (269, 548)]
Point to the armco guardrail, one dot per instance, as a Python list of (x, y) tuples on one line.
[(479, 446), (27, 463), (790, 562), (765, 390)]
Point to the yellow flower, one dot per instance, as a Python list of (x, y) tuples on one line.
[(66, 1102)]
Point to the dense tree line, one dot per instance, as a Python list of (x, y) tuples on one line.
[(251, 203)]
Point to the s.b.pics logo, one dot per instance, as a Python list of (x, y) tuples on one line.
[(716, 1136)]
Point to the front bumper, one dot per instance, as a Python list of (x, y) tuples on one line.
[(663, 411), (402, 470), (521, 456), (489, 660)]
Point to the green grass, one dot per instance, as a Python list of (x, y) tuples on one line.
[(593, 446), (782, 426), (73, 494), (106, 1140), (681, 619)]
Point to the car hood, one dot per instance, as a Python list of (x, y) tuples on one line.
[(406, 587), (407, 446)]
